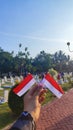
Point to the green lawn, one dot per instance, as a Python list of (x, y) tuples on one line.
[(6, 116), (1, 93)]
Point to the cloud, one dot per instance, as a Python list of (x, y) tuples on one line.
[(35, 37)]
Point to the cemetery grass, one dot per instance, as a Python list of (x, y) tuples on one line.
[(1, 93), (7, 117), (67, 86)]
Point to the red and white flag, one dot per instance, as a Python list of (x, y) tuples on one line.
[(25, 85), (52, 85)]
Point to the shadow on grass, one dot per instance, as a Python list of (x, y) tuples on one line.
[(6, 116)]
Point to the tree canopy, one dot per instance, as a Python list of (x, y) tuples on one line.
[(22, 63)]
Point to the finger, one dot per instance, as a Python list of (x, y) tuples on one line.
[(41, 99), (34, 89), (38, 90), (43, 91)]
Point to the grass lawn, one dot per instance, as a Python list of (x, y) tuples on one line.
[(6, 116), (1, 93)]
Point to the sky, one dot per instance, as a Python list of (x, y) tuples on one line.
[(37, 24)]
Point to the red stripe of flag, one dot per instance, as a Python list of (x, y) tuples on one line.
[(23, 83), (50, 79)]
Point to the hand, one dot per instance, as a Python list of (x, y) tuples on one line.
[(33, 99)]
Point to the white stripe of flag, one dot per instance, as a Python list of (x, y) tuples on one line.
[(52, 85), (25, 85)]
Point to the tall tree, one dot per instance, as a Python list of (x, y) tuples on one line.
[(6, 62), (24, 61), (42, 62), (60, 60)]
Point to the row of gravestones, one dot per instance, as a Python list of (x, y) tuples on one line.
[(61, 80), (11, 80), (18, 79), (65, 78), (5, 90), (5, 96)]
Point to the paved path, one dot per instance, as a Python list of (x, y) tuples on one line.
[(57, 115)]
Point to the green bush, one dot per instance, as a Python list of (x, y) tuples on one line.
[(67, 86), (15, 102), (53, 72)]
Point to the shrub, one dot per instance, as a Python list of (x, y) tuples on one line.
[(15, 102), (53, 72), (66, 86)]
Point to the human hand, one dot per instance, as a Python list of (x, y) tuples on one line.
[(33, 99)]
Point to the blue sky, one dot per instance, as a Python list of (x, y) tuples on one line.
[(37, 24)]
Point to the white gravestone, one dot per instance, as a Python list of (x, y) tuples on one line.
[(5, 95), (5, 78), (3, 82), (18, 79), (12, 80), (21, 77)]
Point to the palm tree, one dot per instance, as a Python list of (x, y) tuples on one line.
[(20, 45)]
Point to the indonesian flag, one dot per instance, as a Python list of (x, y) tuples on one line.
[(25, 85), (52, 85)]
